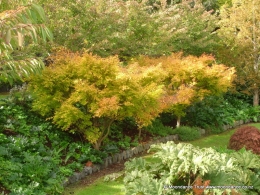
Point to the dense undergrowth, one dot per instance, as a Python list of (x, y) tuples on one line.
[(37, 157), (216, 111)]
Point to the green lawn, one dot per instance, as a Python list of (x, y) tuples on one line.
[(115, 187), (99, 187), (219, 140)]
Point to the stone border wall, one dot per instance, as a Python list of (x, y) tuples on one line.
[(127, 154), (116, 158)]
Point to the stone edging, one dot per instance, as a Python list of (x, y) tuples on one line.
[(116, 158), (127, 154)]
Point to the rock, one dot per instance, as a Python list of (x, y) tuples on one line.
[(114, 158), (129, 153), (109, 160), (236, 123), (175, 138), (156, 142), (140, 149), (119, 157), (171, 137), (88, 170), (134, 150), (105, 163), (163, 140), (95, 168), (74, 178), (82, 175), (225, 127), (146, 146), (123, 154)]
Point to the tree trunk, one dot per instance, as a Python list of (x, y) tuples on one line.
[(105, 133), (178, 122), (256, 97), (139, 133), (97, 145)]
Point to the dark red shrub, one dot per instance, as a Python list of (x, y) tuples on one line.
[(248, 137)]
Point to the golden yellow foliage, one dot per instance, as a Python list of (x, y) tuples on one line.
[(86, 93), (189, 78)]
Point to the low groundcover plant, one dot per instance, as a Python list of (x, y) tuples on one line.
[(200, 170)]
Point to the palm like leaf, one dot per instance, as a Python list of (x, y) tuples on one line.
[(18, 28)]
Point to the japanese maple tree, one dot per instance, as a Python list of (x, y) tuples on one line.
[(86, 94), (189, 79)]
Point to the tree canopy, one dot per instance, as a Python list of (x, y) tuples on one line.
[(189, 79), (240, 32), (86, 94), (132, 28)]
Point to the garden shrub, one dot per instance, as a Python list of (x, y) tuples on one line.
[(215, 111), (248, 137), (157, 128), (184, 165), (186, 133)]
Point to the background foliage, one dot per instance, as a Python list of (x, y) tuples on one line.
[(215, 111)]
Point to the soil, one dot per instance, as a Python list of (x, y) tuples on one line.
[(3, 190)]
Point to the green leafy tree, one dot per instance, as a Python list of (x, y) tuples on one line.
[(192, 28), (86, 94), (240, 32), (107, 28), (132, 28), (19, 27)]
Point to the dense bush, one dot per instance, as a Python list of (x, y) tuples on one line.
[(35, 156), (157, 128), (248, 137), (215, 111), (186, 133), (178, 165)]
